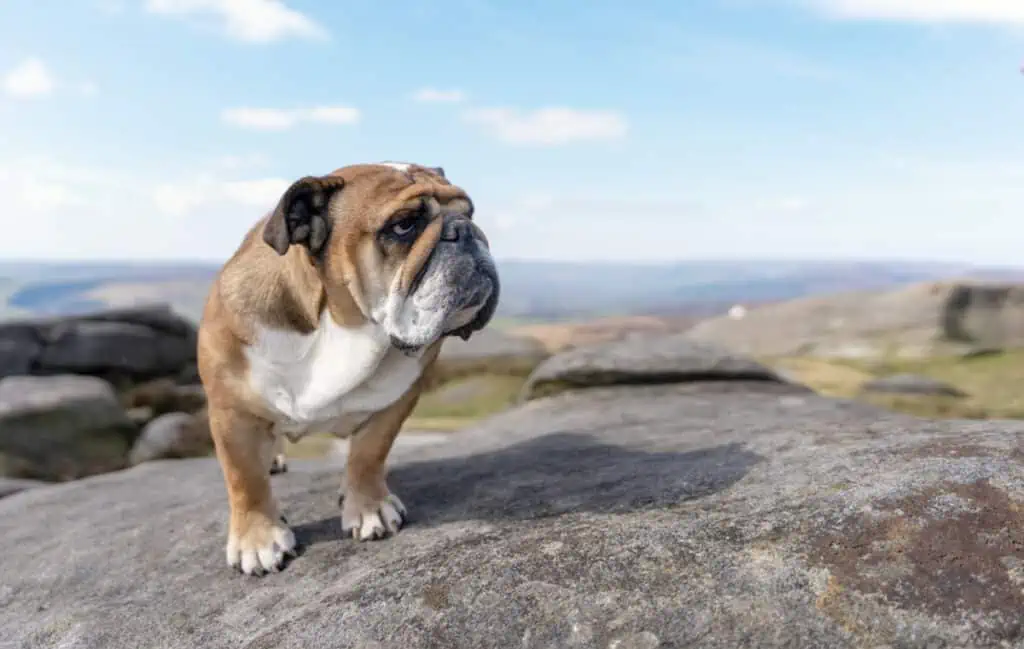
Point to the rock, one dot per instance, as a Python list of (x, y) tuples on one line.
[(913, 385), (642, 359), (61, 428), (165, 395), (715, 514), (173, 435), (11, 486), (488, 351), (118, 344)]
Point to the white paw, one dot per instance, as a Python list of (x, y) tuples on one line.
[(262, 549), (372, 522)]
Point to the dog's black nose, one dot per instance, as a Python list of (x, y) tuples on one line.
[(456, 229)]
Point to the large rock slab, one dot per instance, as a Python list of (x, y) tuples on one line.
[(642, 359), (61, 428), (720, 515), (126, 345)]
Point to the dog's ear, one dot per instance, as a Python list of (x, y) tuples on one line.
[(439, 171), (301, 215)]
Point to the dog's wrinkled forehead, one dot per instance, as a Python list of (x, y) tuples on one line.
[(386, 188)]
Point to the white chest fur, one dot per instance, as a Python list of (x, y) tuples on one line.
[(316, 380)]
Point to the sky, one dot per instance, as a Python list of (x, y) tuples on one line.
[(648, 130)]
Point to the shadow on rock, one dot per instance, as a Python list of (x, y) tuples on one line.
[(557, 474)]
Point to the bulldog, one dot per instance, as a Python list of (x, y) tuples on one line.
[(326, 318)]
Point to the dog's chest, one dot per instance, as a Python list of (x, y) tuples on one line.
[(328, 379)]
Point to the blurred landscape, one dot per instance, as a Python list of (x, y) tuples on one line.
[(532, 291)]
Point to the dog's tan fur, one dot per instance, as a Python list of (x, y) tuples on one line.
[(258, 286)]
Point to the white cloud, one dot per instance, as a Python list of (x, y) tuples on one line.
[(254, 21), (30, 78), (548, 126), (282, 119), (928, 11), (182, 198), (437, 96)]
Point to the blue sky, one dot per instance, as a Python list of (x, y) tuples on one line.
[(641, 130)]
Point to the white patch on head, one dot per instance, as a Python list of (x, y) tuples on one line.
[(332, 375), (400, 166)]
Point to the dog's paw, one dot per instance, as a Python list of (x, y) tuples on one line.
[(263, 548), (369, 521), (279, 465)]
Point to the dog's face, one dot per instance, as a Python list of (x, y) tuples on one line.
[(400, 239)]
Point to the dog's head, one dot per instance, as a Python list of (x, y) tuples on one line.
[(400, 240)]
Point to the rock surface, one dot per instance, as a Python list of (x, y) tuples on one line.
[(120, 345), (913, 385), (713, 514), (642, 359), (11, 486), (61, 428)]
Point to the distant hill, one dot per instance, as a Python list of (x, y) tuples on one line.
[(916, 320), (532, 291)]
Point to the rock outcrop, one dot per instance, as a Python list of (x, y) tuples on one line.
[(927, 319), (724, 512), (57, 428), (642, 359), (120, 345)]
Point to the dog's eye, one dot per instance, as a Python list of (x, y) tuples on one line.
[(404, 227)]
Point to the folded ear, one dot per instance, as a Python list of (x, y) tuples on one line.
[(301, 215)]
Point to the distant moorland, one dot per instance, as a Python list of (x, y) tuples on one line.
[(532, 291)]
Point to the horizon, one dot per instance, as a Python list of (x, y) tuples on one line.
[(729, 130)]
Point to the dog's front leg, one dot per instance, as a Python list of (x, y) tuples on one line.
[(258, 538), (368, 508)]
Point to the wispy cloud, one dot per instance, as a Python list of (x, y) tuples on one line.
[(551, 126), (282, 119), (437, 96), (177, 199), (30, 78), (254, 21), (925, 11)]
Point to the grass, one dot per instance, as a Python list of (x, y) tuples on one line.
[(994, 383)]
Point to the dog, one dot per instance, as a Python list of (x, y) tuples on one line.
[(326, 318)]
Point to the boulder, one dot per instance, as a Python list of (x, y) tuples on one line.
[(912, 385), (119, 344), (713, 514), (173, 435), (61, 427), (642, 359), (488, 351)]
